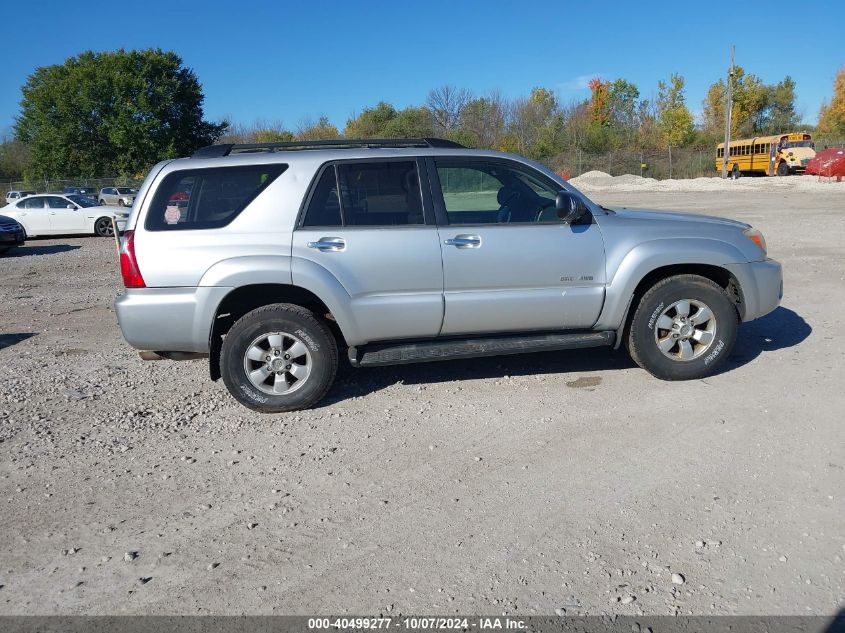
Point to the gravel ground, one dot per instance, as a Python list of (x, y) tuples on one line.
[(561, 482)]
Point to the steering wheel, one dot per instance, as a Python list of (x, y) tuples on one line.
[(545, 205)]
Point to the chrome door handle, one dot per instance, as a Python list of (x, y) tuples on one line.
[(328, 244), (464, 241)]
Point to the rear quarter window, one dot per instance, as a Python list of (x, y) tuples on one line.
[(210, 198)]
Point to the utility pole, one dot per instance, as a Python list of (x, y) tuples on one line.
[(729, 105)]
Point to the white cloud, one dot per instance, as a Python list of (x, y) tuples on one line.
[(581, 82)]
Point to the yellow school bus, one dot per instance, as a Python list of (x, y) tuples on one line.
[(781, 154)]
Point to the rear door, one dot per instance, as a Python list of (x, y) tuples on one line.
[(509, 263), (34, 215), (368, 224)]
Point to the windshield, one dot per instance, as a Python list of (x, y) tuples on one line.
[(800, 144), (125, 190), (82, 201)]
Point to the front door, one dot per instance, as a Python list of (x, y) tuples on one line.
[(509, 263), (64, 219), (367, 225)]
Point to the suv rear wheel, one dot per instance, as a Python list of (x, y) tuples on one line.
[(277, 358), (684, 328)]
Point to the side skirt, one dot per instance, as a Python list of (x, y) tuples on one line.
[(398, 353)]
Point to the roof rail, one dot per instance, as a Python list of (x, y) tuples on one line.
[(226, 149)]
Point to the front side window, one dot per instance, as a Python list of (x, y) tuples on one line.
[(82, 201), (55, 202), (207, 198), (367, 194), (495, 193)]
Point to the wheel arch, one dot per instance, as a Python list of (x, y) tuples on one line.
[(717, 274), (243, 299)]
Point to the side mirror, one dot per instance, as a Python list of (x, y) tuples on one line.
[(71, 207), (569, 207)]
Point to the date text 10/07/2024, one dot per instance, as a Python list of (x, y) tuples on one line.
[(417, 623)]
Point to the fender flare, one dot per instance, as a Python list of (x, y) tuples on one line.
[(285, 271), (648, 257)]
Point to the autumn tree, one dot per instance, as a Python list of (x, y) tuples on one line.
[(112, 113), (832, 115)]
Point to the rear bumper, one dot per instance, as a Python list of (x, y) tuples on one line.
[(762, 287), (168, 319)]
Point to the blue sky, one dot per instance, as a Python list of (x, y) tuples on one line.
[(287, 61)]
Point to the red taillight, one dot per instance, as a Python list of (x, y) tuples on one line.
[(128, 264)]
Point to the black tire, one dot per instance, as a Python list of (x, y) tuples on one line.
[(102, 202), (287, 318), (103, 227), (644, 332), (783, 168), (735, 173), (120, 203)]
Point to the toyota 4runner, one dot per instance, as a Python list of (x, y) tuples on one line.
[(271, 260)]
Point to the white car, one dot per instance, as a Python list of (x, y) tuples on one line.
[(14, 196), (62, 214)]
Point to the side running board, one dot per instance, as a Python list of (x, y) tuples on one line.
[(449, 349)]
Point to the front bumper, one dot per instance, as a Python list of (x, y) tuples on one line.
[(8, 238), (762, 287)]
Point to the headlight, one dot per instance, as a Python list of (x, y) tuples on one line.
[(755, 236)]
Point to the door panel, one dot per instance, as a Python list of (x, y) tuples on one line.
[(64, 220), (523, 277), (365, 224), (34, 216), (509, 264), (393, 276)]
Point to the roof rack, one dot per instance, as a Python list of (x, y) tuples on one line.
[(226, 149)]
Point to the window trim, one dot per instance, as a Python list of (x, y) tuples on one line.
[(179, 174), (442, 213), (422, 177)]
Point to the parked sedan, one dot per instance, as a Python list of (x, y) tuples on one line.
[(11, 234), (56, 213), (120, 196)]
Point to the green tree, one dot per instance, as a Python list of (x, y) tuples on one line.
[(780, 114), (482, 121), (115, 112), (750, 102), (319, 131), (14, 159), (623, 97), (410, 123), (674, 120), (371, 123), (832, 115)]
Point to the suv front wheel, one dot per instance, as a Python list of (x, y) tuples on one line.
[(684, 328), (277, 358)]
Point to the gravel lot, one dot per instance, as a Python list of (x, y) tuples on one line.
[(521, 485)]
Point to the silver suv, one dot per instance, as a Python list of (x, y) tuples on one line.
[(269, 259), (120, 196)]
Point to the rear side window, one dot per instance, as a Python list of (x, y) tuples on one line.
[(367, 193), (207, 198)]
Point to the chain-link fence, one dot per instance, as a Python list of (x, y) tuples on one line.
[(56, 186), (678, 162)]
